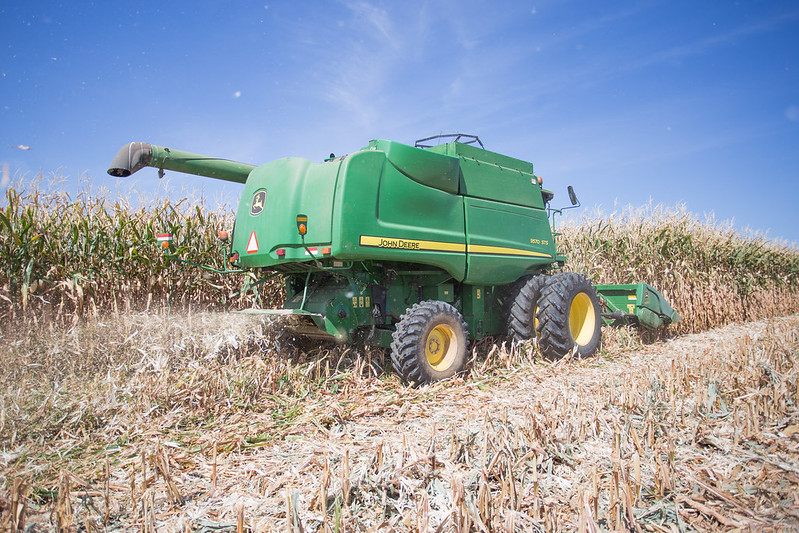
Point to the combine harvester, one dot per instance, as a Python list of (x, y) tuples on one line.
[(414, 248)]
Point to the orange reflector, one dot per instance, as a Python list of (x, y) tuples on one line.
[(164, 244), (302, 220), (223, 235), (326, 250), (281, 252)]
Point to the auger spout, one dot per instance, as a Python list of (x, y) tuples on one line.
[(137, 155)]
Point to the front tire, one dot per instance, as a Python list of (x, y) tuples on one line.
[(429, 343), (569, 316)]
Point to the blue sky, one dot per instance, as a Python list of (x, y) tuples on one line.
[(693, 102)]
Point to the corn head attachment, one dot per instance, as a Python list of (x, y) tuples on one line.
[(636, 304)]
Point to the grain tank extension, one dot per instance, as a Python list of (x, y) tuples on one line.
[(414, 248)]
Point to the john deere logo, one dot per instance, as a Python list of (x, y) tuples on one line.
[(258, 201)]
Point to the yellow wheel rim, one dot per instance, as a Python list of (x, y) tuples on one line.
[(441, 347), (582, 319)]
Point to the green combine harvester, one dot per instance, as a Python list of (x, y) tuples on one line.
[(413, 248)]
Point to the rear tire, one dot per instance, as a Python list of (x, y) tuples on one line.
[(521, 315), (569, 316), (429, 343)]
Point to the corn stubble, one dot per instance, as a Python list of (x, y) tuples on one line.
[(183, 418)]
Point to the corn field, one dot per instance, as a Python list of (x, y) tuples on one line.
[(65, 257), (68, 258)]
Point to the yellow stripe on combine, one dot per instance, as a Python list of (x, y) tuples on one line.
[(409, 244), (438, 246), (499, 250)]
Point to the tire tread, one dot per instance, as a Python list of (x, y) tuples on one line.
[(407, 339), (553, 315)]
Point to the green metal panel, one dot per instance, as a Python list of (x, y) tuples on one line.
[(620, 297), (494, 176), (504, 241), (468, 151), (653, 303), (474, 309), (407, 287), (640, 300), (274, 195), (337, 304), (480, 311), (201, 165), (387, 216), (445, 292), (429, 168)]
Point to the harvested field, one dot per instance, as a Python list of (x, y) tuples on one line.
[(208, 422)]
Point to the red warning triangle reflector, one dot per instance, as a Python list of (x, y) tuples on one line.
[(252, 244)]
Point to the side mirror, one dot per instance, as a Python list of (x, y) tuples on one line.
[(573, 196)]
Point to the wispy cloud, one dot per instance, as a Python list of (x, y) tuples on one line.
[(703, 46), (6, 177), (402, 59), (604, 67), (377, 19), (353, 58)]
